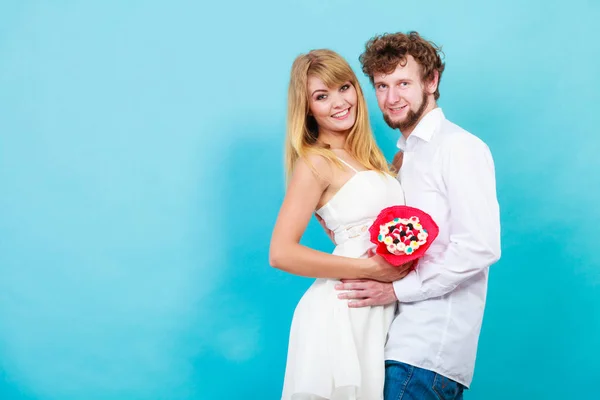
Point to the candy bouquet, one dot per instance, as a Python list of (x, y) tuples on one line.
[(402, 234)]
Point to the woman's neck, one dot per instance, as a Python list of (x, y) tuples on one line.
[(333, 141)]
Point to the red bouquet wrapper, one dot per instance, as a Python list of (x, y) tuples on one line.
[(403, 234)]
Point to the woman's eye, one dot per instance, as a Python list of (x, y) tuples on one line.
[(345, 87), (321, 97)]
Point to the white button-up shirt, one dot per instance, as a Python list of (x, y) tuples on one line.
[(448, 173)]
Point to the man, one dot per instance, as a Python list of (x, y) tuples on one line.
[(448, 173)]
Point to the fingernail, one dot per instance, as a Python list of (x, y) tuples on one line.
[(338, 287)]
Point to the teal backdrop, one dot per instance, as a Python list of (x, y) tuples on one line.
[(141, 174)]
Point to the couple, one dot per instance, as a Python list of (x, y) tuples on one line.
[(366, 329)]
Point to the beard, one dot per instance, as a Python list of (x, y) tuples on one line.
[(412, 117)]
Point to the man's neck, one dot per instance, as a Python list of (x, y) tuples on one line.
[(431, 106)]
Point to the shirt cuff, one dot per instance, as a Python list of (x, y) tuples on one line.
[(408, 289)]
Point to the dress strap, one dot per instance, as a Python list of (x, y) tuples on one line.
[(347, 165)]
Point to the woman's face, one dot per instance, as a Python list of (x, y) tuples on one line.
[(334, 108)]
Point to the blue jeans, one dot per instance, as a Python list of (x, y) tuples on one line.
[(405, 382)]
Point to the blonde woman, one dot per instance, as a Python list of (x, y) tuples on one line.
[(335, 170)]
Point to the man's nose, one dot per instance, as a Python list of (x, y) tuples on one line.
[(392, 97)]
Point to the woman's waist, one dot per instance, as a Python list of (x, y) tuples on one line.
[(353, 234), (357, 247)]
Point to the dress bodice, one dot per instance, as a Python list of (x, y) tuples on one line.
[(352, 210)]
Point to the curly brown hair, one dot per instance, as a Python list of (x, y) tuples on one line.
[(383, 53)]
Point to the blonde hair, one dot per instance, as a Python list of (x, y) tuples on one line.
[(302, 129)]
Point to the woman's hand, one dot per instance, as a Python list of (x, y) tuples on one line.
[(397, 161), (328, 231), (379, 269)]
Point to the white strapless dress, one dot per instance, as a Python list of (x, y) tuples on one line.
[(336, 352)]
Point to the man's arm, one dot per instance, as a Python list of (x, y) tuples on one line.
[(469, 176)]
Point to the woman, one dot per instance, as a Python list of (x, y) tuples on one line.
[(335, 169)]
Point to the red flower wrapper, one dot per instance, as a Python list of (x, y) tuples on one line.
[(402, 234)]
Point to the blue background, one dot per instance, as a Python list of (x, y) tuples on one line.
[(141, 173)]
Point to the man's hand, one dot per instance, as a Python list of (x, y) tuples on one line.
[(327, 230), (379, 292), (366, 293)]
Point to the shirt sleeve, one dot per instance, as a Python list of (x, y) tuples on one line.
[(474, 223)]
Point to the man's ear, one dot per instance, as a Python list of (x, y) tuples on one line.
[(432, 85)]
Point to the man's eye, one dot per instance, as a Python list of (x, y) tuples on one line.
[(381, 86)]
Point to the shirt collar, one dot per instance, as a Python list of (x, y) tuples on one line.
[(425, 128)]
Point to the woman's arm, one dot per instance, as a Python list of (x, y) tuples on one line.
[(286, 253)]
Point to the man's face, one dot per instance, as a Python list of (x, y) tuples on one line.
[(402, 96)]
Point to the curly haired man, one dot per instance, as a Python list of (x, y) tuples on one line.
[(449, 173)]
